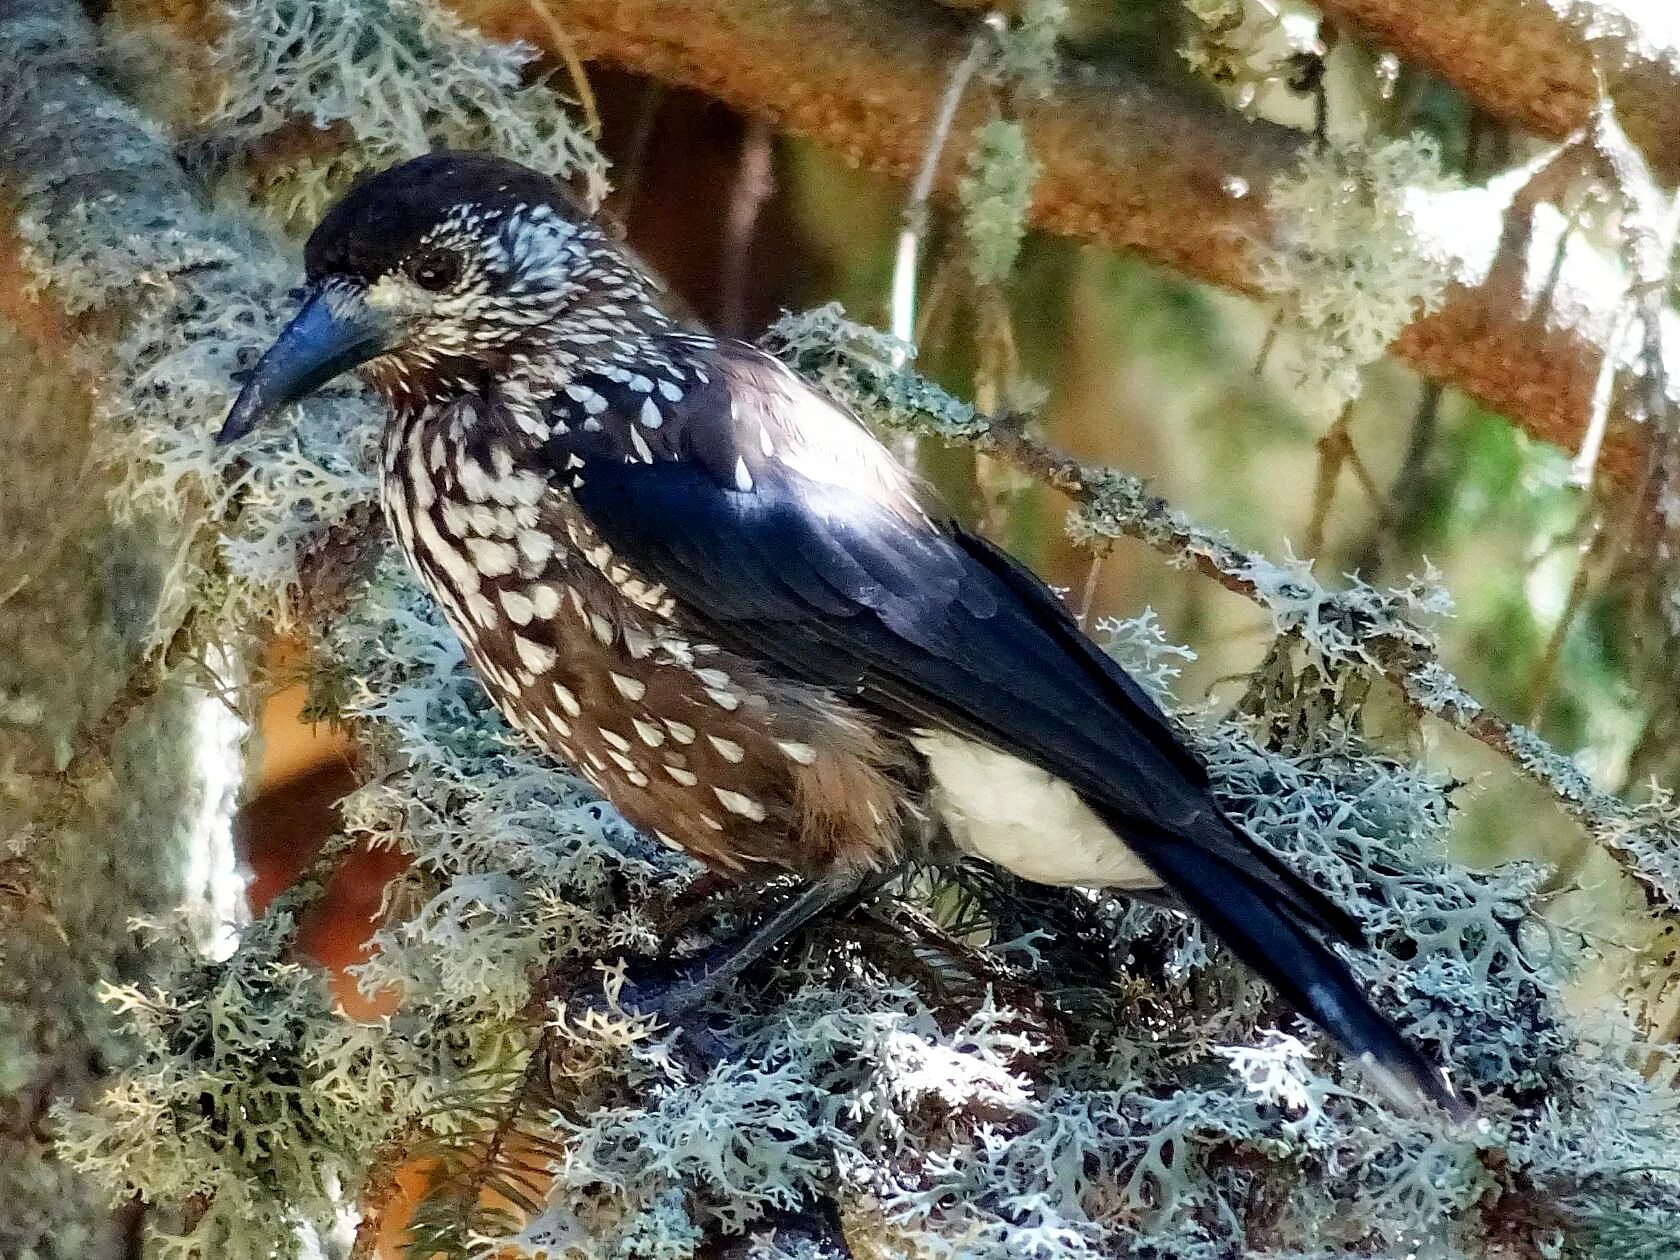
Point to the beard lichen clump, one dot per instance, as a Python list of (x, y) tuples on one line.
[(996, 192), (250, 1104), (1350, 270), (402, 77)]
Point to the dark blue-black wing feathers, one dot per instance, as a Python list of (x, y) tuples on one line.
[(941, 629)]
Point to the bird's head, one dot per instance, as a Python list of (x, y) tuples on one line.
[(442, 264)]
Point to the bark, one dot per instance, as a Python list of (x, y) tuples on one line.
[(1530, 64), (1534, 64), (1126, 163)]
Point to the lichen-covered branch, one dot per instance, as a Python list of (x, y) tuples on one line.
[(1123, 163), (115, 773), (1535, 65), (1377, 630)]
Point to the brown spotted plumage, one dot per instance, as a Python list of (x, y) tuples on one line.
[(695, 744), (681, 570)]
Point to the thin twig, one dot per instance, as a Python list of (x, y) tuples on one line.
[(1405, 496), (574, 65), (934, 318), (1332, 453), (1268, 343), (1407, 490), (903, 311), (1581, 471), (997, 370), (633, 163), (1540, 687), (1368, 483), (1088, 597)]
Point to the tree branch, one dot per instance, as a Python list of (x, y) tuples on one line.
[(1136, 165), (1359, 626), (1112, 503), (106, 805), (1124, 163), (1534, 64)]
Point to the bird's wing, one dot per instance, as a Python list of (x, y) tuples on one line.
[(780, 525), (789, 534)]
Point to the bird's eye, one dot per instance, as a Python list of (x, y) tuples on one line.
[(435, 270)]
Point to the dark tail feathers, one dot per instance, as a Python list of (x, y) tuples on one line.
[(1271, 934)]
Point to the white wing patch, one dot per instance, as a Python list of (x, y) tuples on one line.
[(1024, 819), (789, 421)]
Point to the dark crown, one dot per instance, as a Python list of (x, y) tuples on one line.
[(384, 216)]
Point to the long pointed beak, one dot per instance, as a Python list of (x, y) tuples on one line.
[(335, 330)]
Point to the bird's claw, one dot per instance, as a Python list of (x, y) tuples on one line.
[(666, 994), (669, 995)]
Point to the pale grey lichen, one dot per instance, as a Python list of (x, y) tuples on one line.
[(1212, 48), (403, 76), (1116, 1086), (855, 364), (1245, 45), (1027, 54), (1151, 657), (1349, 270), (251, 1105)]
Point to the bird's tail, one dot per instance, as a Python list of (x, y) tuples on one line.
[(1269, 934)]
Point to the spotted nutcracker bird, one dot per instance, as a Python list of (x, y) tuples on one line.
[(682, 570)]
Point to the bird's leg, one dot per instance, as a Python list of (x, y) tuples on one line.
[(710, 895), (720, 966)]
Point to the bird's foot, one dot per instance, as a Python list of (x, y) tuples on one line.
[(671, 992), (659, 996), (709, 900), (676, 994)]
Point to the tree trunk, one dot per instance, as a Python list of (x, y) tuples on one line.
[(110, 809)]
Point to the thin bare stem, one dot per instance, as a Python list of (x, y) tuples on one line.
[(633, 163), (1333, 449), (1540, 687), (1268, 343), (1604, 389), (1088, 597), (574, 65), (934, 317), (906, 258), (1406, 491)]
